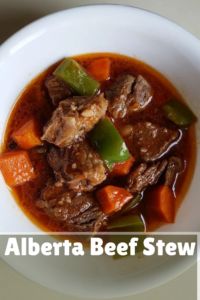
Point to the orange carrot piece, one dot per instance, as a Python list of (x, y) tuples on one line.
[(161, 204), (122, 168), (100, 68), (112, 198), (16, 168), (27, 136)]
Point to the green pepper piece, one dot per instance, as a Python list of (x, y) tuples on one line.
[(131, 204), (179, 113), (133, 223), (108, 142), (76, 77)]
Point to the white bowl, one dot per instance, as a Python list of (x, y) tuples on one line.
[(100, 28)]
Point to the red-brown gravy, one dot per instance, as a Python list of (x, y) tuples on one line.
[(34, 101)]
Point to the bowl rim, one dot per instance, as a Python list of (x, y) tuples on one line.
[(8, 43)]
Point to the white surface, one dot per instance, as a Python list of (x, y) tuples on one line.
[(123, 2)]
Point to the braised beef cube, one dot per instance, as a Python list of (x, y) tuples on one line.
[(91, 220), (58, 159), (127, 95), (118, 95), (52, 190), (145, 175), (75, 212), (152, 141), (174, 167), (141, 95), (73, 119), (57, 89), (80, 167)]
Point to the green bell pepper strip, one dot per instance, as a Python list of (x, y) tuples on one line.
[(179, 113), (131, 204), (133, 223), (108, 142), (76, 77)]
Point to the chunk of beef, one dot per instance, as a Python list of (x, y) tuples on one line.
[(175, 166), (80, 166), (118, 95), (73, 119), (141, 95), (57, 89), (76, 212), (151, 141), (127, 95), (145, 175)]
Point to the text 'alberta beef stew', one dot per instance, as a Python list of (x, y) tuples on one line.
[(99, 142)]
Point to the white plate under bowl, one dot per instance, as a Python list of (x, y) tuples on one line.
[(100, 28)]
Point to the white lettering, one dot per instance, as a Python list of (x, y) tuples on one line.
[(46, 249), (186, 248), (160, 247), (133, 244), (149, 248), (96, 248), (170, 249), (12, 247), (110, 249), (57, 247), (33, 247), (67, 246), (78, 249), (27, 246), (122, 249)]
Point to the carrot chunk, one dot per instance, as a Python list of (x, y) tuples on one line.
[(100, 69), (123, 168), (112, 198), (161, 204), (16, 168), (27, 136)]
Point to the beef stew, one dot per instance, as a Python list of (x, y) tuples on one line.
[(99, 151)]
